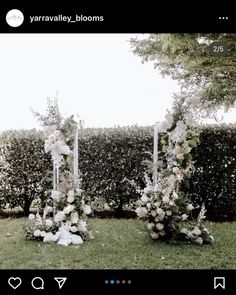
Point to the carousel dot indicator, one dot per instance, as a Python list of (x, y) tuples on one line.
[(112, 282)]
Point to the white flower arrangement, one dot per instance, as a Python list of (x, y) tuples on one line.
[(56, 195), (68, 224), (31, 217), (87, 209), (164, 206), (49, 222)]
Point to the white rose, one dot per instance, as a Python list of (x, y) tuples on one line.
[(150, 226), (160, 211), (175, 195), (167, 190), (37, 233), (171, 180), (87, 209), (82, 226), (167, 123), (144, 199), (176, 170), (141, 212), (49, 222), (56, 195), (184, 217), (159, 226), (161, 216), (59, 216), (187, 149), (153, 213), (106, 207), (31, 217), (196, 231), (189, 234), (190, 207), (171, 203), (162, 233), (154, 236), (157, 204), (168, 212), (74, 217), (70, 199), (65, 150), (165, 200), (206, 230), (43, 233), (179, 177), (70, 193), (199, 240), (176, 151), (184, 231), (180, 156), (68, 209)]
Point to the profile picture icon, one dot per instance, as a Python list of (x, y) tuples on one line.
[(14, 18)]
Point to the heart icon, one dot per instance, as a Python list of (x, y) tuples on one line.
[(14, 282)]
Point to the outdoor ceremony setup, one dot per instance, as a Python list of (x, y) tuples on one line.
[(159, 195)]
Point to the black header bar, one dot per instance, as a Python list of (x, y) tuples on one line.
[(139, 19)]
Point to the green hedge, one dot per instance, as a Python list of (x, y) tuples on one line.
[(25, 170), (214, 179), (107, 157)]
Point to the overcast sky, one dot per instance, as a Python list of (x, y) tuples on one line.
[(95, 75)]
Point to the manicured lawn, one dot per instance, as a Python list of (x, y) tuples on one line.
[(118, 244)]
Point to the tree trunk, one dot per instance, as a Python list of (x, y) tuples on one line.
[(27, 207), (119, 210)]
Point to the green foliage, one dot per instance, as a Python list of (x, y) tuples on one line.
[(213, 180), (186, 58), (25, 168), (52, 117), (111, 158), (107, 157)]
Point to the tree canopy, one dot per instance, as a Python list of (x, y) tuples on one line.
[(190, 59)]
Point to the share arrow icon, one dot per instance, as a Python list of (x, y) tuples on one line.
[(60, 281)]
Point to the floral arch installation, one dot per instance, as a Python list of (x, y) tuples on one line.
[(166, 208), (64, 219)]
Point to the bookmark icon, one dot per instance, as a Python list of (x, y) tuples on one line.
[(219, 282), (61, 281)]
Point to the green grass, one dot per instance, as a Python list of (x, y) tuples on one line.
[(118, 244)]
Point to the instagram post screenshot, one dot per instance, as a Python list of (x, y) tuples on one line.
[(117, 152)]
